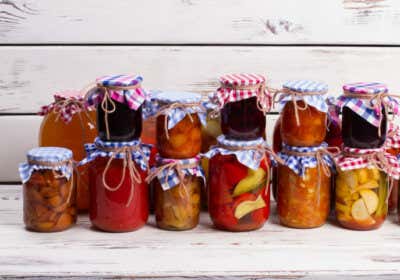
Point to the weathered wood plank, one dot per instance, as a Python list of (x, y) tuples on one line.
[(273, 252), (29, 75), (206, 21)]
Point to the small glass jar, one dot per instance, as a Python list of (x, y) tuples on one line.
[(182, 139), (49, 194), (179, 207), (361, 198), (303, 201), (119, 100), (239, 197), (72, 132)]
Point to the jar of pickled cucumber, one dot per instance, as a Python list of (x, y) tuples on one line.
[(239, 184), (362, 187), (68, 122), (119, 199), (303, 192), (243, 101), (304, 113), (119, 100), (178, 123), (49, 192), (177, 192)]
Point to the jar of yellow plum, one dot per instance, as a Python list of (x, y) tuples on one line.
[(177, 192), (362, 187)]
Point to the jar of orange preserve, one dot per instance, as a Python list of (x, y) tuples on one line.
[(68, 122)]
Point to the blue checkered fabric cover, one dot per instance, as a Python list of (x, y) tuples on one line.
[(94, 150), (299, 164), (169, 178), (158, 99), (249, 158), (46, 155), (304, 86)]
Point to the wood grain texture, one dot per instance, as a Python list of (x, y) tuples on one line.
[(29, 75), (200, 21), (274, 252)]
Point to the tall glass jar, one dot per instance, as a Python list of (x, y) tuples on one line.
[(69, 123), (244, 102), (392, 146), (49, 194), (238, 194), (303, 194), (119, 200), (119, 100), (304, 115), (276, 146), (178, 124)]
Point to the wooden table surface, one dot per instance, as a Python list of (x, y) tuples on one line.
[(329, 252)]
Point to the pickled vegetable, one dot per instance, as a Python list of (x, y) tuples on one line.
[(361, 198), (49, 202), (178, 208), (303, 201), (182, 141)]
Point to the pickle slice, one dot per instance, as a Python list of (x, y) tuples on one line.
[(253, 180), (371, 200), (249, 206), (359, 211)]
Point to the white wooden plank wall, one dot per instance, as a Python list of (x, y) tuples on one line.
[(47, 46)]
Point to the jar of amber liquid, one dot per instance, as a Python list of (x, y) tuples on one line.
[(178, 208), (182, 139), (73, 133), (361, 198), (49, 196)]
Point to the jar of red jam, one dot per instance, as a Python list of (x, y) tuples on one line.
[(49, 190), (119, 100), (304, 185), (304, 113), (177, 193), (238, 194), (364, 107), (180, 116), (119, 200), (244, 102)]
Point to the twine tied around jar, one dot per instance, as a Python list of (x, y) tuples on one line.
[(380, 102), (127, 163), (262, 149), (166, 110), (379, 160), (72, 166), (280, 94), (108, 100)]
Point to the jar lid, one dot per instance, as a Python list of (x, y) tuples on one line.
[(175, 96), (243, 79), (49, 154), (119, 80), (68, 94), (306, 86), (366, 88)]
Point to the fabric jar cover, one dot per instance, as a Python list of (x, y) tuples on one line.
[(175, 105), (353, 158), (125, 89), (170, 172), (47, 158), (66, 104), (393, 137), (236, 87), (250, 158), (367, 104), (303, 90), (299, 164), (141, 155)]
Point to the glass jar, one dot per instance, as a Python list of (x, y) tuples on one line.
[(361, 198), (179, 207), (239, 197), (303, 201), (177, 137), (49, 196), (71, 133), (111, 210), (277, 147)]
